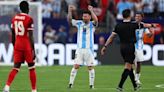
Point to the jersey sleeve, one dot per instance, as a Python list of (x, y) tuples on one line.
[(74, 22), (31, 25), (147, 31), (116, 29), (94, 23)]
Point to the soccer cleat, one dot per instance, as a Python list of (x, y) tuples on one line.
[(70, 86), (138, 82), (91, 87), (119, 89), (6, 89), (136, 89), (34, 90)]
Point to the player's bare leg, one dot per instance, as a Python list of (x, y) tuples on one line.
[(137, 75), (32, 74), (73, 75), (11, 76), (91, 76)]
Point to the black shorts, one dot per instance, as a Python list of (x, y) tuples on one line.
[(127, 52)]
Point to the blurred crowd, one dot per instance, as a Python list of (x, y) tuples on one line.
[(58, 8), (108, 12)]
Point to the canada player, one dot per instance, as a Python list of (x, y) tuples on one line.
[(22, 39)]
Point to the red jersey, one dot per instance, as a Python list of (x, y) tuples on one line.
[(21, 24)]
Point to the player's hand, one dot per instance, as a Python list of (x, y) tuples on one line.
[(90, 8), (154, 25), (103, 50), (71, 7)]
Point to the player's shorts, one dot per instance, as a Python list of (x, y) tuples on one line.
[(139, 56), (127, 52), (21, 56), (84, 56)]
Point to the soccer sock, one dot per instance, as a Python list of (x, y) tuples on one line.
[(123, 77), (91, 76), (33, 78), (73, 75), (132, 77), (137, 76), (11, 76)]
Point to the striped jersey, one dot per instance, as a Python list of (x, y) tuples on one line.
[(139, 37), (85, 34)]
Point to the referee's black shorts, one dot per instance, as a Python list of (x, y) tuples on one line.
[(127, 52)]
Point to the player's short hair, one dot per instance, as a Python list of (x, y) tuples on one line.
[(141, 13), (126, 13), (86, 12), (24, 6)]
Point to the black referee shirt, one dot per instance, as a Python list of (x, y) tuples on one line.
[(126, 31)]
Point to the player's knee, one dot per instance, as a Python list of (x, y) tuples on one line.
[(31, 66), (17, 65), (76, 66), (17, 69), (90, 67)]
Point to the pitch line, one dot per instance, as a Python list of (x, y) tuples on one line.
[(160, 86)]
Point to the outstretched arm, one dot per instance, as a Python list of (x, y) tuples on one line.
[(70, 9), (109, 41), (94, 17)]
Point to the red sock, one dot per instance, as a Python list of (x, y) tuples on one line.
[(11, 76), (33, 78)]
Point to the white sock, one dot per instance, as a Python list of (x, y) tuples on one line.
[(91, 77), (137, 76), (34, 90), (73, 75), (7, 88)]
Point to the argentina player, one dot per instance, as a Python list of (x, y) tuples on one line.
[(139, 55), (85, 42)]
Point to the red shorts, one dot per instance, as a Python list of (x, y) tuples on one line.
[(23, 55)]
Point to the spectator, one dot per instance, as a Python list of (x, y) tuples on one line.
[(122, 5), (95, 3), (101, 40), (50, 36), (138, 5), (83, 4), (72, 35), (46, 9), (161, 7), (72, 2), (56, 8), (148, 7), (64, 8), (62, 35)]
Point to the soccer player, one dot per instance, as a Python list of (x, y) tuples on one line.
[(85, 42), (139, 56), (22, 39), (126, 33)]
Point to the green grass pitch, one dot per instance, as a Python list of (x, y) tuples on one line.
[(55, 79)]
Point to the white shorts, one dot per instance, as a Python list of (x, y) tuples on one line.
[(139, 55), (83, 56)]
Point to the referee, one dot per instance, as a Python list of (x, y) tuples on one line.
[(126, 33)]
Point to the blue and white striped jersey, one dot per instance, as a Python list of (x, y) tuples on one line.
[(85, 34), (139, 37)]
